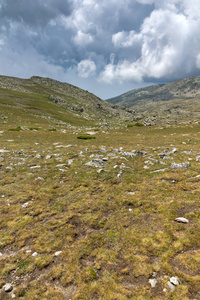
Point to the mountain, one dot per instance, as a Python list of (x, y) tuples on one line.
[(176, 101), (55, 101)]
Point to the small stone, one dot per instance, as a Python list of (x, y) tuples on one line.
[(182, 220), (8, 287), (35, 254), (154, 274), (180, 166), (25, 204), (4, 151), (48, 156), (28, 251), (1, 254), (153, 282), (39, 178), (100, 171), (171, 286), (175, 280), (35, 167), (58, 253), (198, 158), (70, 161), (131, 193)]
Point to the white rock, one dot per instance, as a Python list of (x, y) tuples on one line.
[(1, 254), (171, 286), (35, 167), (58, 253), (48, 156), (4, 151), (131, 193), (39, 178), (180, 166), (182, 220), (8, 287), (198, 158), (70, 161), (25, 204), (175, 280), (35, 254), (153, 282)]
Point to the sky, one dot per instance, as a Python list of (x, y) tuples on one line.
[(107, 47)]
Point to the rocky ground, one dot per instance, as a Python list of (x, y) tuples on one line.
[(112, 217)]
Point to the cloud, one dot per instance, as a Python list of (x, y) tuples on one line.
[(86, 68), (125, 39), (82, 38), (169, 43), (34, 12), (112, 41)]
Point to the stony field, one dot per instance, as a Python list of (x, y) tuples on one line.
[(112, 217)]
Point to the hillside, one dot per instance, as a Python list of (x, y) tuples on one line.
[(175, 102), (55, 101)]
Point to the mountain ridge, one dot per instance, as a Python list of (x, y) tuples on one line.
[(75, 100), (171, 103), (183, 88)]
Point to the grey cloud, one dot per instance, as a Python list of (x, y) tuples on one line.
[(35, 12)]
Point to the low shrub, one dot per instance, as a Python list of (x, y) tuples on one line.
[(85, 137), (18, 128)]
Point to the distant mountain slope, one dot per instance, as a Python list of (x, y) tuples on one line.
[(48, 98), (181, 89), (172, 103)]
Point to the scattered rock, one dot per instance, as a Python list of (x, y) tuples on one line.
[(182, 220), (35, 254), (160, 170), (153, 282), (171, 286), (39, 178), (48, 156), (7, 287), (175, 280), (91, 132), (96, 163), (25, 204), (130, 193), (4, 151), (58, 253), (70, 161), (180, 166), (35, 167), (198, 158)]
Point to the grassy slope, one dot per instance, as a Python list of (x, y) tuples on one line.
[(111, 241)]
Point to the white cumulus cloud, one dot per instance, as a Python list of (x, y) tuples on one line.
[(86, 68)]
